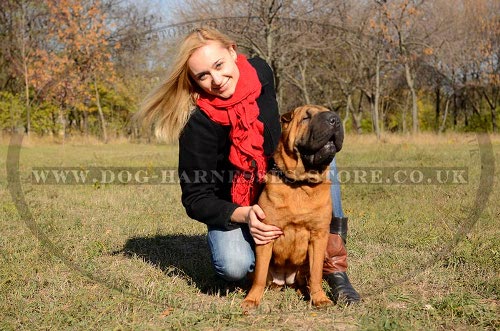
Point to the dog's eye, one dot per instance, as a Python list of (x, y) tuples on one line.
[(306, 119)]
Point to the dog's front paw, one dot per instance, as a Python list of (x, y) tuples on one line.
[(252, 300), (320, 300), (249, 304)]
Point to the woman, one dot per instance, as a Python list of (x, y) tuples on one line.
[(222, 107)]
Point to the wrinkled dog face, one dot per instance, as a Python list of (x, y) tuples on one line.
[(318, 135)]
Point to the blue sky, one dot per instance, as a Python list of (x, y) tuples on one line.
[(159, 7), (165, 6)]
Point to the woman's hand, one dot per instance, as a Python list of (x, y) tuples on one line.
[(253, 215), (262, 233)]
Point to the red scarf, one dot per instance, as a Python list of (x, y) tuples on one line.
[(240, 111)]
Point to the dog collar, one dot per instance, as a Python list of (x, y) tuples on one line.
[(275, 170), (281, 175)]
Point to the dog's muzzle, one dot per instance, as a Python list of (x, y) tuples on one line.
[(324, 140)]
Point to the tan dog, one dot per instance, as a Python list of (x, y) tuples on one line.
[(296, 198)]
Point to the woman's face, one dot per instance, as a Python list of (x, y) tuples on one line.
[(213, 68)]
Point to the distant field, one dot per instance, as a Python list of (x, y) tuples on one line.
[(126, 257)]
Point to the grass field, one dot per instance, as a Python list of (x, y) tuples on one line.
[(126, 257)]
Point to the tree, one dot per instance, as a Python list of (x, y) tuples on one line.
[(85, 66), (402, 30), (22, 37), (76, 58)]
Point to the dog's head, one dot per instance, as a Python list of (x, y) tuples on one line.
[(311, 136)]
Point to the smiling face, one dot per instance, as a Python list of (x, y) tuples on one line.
[(213, 68)]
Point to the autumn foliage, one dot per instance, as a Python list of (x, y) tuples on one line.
[(63, 60), (73, 67)]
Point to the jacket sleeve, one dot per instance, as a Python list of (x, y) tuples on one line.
[(200, 182)]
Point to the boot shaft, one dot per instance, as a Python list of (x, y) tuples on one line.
[(335, 255)]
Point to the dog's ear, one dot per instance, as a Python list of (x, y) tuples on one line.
[(287, 117)]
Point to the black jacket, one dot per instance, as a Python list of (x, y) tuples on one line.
[(204, 169)]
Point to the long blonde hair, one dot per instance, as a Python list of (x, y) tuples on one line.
[(169, 105)]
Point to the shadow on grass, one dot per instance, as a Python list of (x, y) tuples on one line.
[(184, 256)]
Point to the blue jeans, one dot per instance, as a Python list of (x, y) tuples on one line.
[(232, 251), (335, 190)]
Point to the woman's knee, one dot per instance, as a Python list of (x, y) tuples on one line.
[(232, 267), (232, 253)]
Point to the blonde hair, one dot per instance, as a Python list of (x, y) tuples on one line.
[(169, 106)]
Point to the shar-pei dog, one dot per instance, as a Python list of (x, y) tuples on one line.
[(297, 199)]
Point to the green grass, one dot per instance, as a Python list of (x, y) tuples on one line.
[(126, 257)]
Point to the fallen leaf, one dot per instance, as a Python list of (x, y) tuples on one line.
[(166, 312)]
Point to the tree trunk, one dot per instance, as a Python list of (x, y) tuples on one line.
[(54, 123), (493, 106), (438, 107), (13, 121), (27, 96), (347, 108), (463, 101), (25, 72), (443, 124), (383, 118), (405, 109), (376, 100), (101, 115), (279, 90), (466, 115), (374, 111), (85, 123), (494, 120), (356, 116), (455, 112), (303, 82), (62, 121), (410, 83)]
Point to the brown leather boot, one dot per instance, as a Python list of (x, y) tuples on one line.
[(335, 265)]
